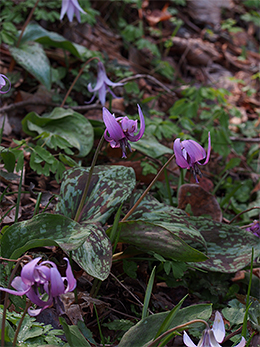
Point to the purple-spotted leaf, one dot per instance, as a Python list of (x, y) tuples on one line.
[(89, 244), (170, 218), (109, 187), (229, 247), (158, 238)]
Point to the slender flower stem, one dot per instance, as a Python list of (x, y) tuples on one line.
[(6, 298), (12, 64), (239, 214), (76, 78), (85, 192), (156, 341), (168, 186), (147, 190), (28, 304)]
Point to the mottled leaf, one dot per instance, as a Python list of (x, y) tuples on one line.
[(62, 129), (109, 187), (156, 238), (229, 247), (33, 59), (145, 330), (90, 246), (173, 219)]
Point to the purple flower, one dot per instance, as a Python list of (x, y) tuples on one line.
[(71, 7), (188, 153), (42, 284), (3, 79), (122, 129), (102, 85), (211, 337), (254, 228)]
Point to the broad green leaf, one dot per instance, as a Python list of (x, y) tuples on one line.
[(151, 147), (73, 335), (61, 129), (8, 159), (31, 56), (34, 32), (170, 218), (145, 330), (109, 187), (156, 238), (90, 246), (229, 247)]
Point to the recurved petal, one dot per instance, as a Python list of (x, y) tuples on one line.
[(64, 7), (70, 11), (209, 149), (3, 79), (35, 298), (241, 343), (28, 273), (180, 160), (102, 94), (194, 150), (76, 4), (19, 285), (187, 340), (57, 285), (134, 138), (218, 327), (35, 311), (114, 129), (71, 281)]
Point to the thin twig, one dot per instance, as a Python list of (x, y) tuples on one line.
[(77, 77), (12, 64), (139, 302), (149, 77)]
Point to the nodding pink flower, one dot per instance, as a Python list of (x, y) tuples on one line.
[(188, 154), (211, 337), (42, 284), (102, 86), (122, 129), (70, 7), (3, 79), (254, 228)]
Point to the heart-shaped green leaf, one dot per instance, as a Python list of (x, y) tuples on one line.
[(109, 187), (90, 246), (61, 129)]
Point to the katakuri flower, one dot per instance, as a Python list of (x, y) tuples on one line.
[(102, 86), (42, 284), (188, 154), (254, 228), (122, 129), (212, 337), (3, 79), (70, 7)]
